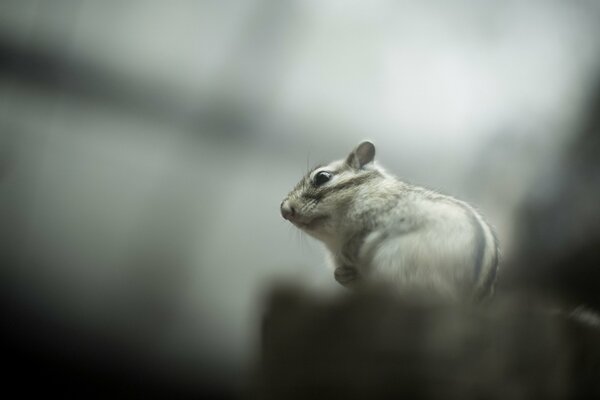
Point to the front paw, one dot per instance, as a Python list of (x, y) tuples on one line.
[(346, 276)]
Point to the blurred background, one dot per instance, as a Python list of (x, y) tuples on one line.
[(145, 147)]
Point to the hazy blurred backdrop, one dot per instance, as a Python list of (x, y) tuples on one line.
[(145, 147)]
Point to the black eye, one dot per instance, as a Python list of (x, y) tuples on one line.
[(322, 177)]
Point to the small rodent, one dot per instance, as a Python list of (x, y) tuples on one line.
[(380, 229)]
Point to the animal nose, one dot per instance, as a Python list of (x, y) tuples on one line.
[(287, 211)]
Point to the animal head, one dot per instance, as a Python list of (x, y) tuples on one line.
[(319, 201)]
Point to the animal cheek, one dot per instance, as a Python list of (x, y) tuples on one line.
[(328, 208)]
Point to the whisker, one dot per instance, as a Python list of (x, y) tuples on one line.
[(291, 231), (303, 242)]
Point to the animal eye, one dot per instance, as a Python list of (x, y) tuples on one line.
[(322, 177)]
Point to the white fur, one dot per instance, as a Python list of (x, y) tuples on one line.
[(436, 255)]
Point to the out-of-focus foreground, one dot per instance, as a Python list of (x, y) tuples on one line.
[(145, 147)]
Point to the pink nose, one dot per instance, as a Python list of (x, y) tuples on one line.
[(287, 211)]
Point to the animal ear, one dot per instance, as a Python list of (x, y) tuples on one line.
[(363, 154)]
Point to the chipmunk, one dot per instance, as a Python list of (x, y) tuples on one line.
[(380, 229)]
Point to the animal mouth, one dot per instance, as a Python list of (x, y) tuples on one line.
[(310, 224)]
